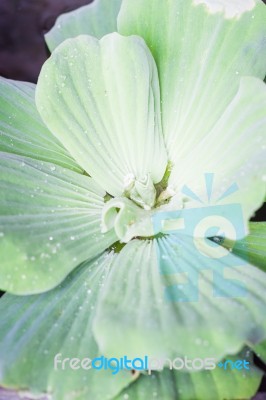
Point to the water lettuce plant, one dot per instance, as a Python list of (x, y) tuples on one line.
[(142, 106)]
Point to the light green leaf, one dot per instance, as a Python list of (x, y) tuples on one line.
[(96, 19), (218, 384), (159, 301), (234, 151), (200, 57), (253, 247), (49, 223), (34, 329), (102, 100), (127, 218), (22, 130)]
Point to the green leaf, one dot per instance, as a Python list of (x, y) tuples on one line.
[(22, 130), (102, 100), (34, 329), (218, 384), (252, 247), (234, 150), (160, 301), (50, 223), (95, 19), (200, 55)]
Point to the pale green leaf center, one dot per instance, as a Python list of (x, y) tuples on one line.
[(132, 214)]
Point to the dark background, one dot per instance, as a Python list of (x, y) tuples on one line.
[(22, 27), (23, 24)]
